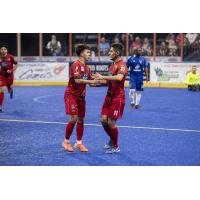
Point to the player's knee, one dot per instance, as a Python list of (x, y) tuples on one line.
[(2, 89), (131, 92), (74, 118), (80, 120), (104, 120), (111, 124)]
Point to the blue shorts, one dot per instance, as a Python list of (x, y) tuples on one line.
[(137, 85)]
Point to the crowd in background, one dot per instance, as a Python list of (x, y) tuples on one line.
[(166, 44)]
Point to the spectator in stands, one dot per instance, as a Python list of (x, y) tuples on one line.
[(104, 47), (117, 41), (146, 47), (170, 38), (162, 51), (193, 79), (135, 45), (58, 52), (172, 48), (130, 38), (53, 46), (191, 37)]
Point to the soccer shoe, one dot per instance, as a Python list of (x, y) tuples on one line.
[(80, 147), (113, 150), (67, 146), (137, 106), (132, 105), (109, 145)]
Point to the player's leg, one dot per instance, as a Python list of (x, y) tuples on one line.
[(104, 121), (139, 88), (132, 93), (114, 133), (10, 86), (115, 112), (2, 91), (72, 110), (80, 126)]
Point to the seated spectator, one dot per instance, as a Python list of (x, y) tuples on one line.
[(117, 41), (104, 47), (162, 51), (130, 38), (146, 47), (135, 45), (170, 38), (53, 46), (172, 48), (193, 79), (58, 52)]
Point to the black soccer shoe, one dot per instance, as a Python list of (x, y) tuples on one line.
[(137, 106), (132, 105)]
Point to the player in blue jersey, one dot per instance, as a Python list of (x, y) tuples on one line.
[(137, 65)]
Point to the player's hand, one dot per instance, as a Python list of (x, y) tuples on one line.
[(8, 71), (98, 76)]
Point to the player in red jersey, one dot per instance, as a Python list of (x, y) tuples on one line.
[(114, 103), (74, 97), (7, 67)]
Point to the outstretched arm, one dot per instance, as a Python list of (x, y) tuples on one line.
[(117, 77)]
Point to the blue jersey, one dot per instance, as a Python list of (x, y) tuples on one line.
[(137, 65)]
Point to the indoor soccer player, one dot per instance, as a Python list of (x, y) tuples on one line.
[(7, 67), (137, 64), (74, 97), (115, 99)]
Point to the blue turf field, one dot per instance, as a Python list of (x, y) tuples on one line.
[(39, 143)]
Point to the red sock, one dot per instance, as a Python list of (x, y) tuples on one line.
[(79, 131), (107, 130), (1, 98), (69, 130), (114, 133)]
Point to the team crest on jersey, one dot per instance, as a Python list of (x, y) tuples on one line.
[(140, 61), (122, 69), (8, 59), (85, 77), (137, 66)]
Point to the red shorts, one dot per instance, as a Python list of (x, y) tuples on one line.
[(74, 106), (6, 81), (113, 107)]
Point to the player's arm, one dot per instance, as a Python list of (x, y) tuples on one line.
[(15, 66), (79, 80), (117, 77)]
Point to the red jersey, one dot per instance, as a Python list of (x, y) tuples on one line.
[(78, 70), (7, 63), (116, 88)]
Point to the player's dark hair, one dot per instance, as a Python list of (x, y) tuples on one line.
[(117, 47), (80, 48)]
